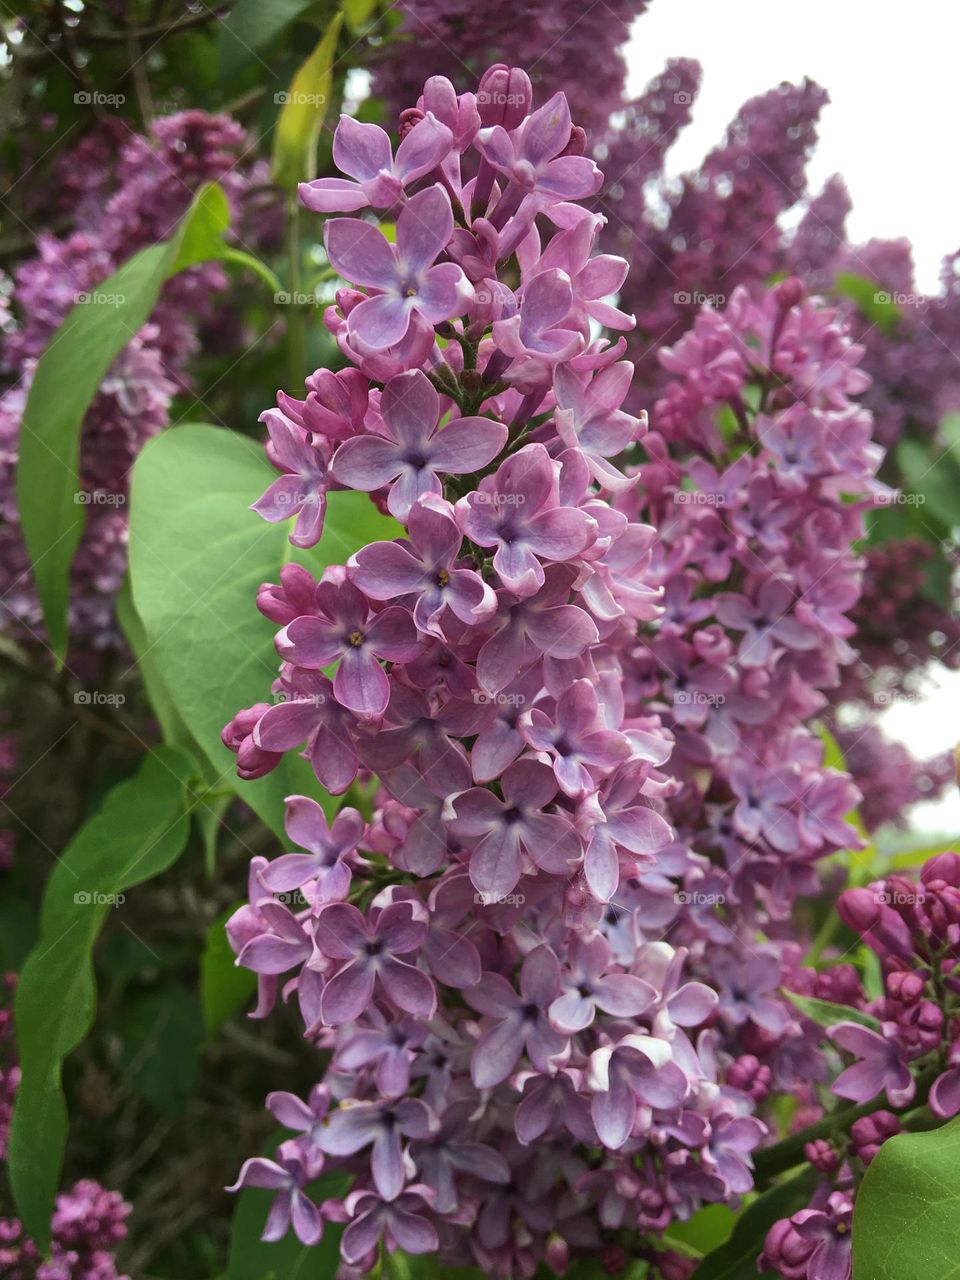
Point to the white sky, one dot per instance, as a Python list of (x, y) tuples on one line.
[(891, 131), (890, 69)]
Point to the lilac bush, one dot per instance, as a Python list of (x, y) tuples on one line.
[(909, 1053), (134, 191)]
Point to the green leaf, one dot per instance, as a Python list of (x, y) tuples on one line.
[(250, 28), (873, 303), (197, 559), (358, 12), (906, 1225), (935, 476), (175, 732), (302, 113), (202, 237), (139, 832), (827, 1014), (163, 1033), (709, 1228), (736, 1259), (917, 857), (286, 1259), (67, 377), (224, 987)]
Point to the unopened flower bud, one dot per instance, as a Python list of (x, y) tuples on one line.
[(869, 1133), (504, 96)]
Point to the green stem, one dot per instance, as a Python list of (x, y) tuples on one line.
[(296, 317), (769, 1161)]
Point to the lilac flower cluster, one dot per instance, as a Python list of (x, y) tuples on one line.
[(759, 474), (566, 46), (135, 199), (714, 228), (911, 1046), (88, 1222), (720, 226), (517, 1072)]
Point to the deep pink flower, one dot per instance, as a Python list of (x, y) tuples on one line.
[(571, 733), (302, 489), (501, 832), (519, 1021), (413, 451), (517, 511), (371, 951), (344, 628), (382, 1124), (426, 564), (364, 152), (287, 1176), (406, 281), (329, 846)]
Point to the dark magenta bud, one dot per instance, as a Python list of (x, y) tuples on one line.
[(504, 97), (869, 1133), (859, 909)]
